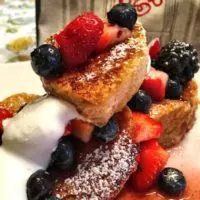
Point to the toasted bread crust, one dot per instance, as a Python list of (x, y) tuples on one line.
[(177, 116), (103, 169), (15, 102), (107, 82)]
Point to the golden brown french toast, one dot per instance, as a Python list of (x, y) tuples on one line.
[(14, 102), (177, 116), (106, 83), (103, 168)]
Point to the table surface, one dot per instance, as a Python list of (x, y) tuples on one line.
[(17, 19)]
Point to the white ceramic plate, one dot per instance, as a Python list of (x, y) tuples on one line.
[(18, 77)]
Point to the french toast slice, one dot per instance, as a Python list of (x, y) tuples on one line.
[(177, 116), (107, 82), (15, 102), (102, 168)]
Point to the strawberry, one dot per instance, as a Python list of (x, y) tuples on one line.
[(79, 129), (154, 48), (145, 128), (155, 84), (72, 53), (112, 34), (4, 114), (79, 39), (152, 159), (82, 130)]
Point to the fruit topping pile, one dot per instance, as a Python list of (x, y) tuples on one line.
[(171, 68), (84, 37), (178, 60)]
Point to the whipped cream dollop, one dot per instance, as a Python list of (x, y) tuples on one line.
[(28, 141)]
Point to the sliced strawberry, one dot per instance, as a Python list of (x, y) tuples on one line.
[(82, 130), (4, 114), (145, 128), (112, 34), (152, 159), (154, 48), (79, 39), (155, 84), (150, 144)]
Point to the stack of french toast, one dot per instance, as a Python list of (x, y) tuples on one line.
[(135, 101)]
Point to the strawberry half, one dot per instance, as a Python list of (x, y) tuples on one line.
[(155, 84), (112, 34), (79, 129), (154, 48), (152, 160), (79, 39), (4, 114), (145, 128), (82, 130)]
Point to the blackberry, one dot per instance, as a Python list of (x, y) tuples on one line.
[(179, 60)]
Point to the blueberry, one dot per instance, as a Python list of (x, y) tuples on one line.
[(63, 158), (46, 61), (123, 14), (173, 90), (108, 132), (140, 102), (39, 185), (171, 181)]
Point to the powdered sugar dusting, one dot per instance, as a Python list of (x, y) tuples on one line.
[(102, 171), (116, 53)]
